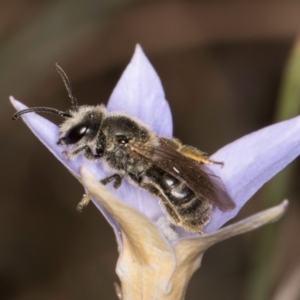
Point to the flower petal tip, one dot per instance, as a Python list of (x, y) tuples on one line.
[(282, 208), (139, 93), (139, 57), (285, 203), (138, 49), (15, 103), (12, 99), (139, 54), (260, 219), (276, 212)]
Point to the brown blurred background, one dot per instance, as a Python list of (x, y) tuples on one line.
[(221, 64)]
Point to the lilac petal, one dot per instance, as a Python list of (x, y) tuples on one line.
[(253, 160), (47, 133), (139, 93), (134, 196)]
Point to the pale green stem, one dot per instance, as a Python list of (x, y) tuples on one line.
[(260, 279)]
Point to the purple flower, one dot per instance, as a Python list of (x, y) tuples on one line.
[(249, 163)]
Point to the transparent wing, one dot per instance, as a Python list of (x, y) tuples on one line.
[(195, 175)]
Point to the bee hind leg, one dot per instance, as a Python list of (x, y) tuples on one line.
[(117, 178), (88, 197), (206, 160), (198, 155)]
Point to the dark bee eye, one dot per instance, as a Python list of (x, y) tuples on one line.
[(75, 134)]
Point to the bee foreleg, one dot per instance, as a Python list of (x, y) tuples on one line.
[(77, 150), (87, 152), (117, 178)]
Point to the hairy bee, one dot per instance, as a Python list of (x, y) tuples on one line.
[(174, 172)]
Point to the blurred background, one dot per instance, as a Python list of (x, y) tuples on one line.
[(228, 68)]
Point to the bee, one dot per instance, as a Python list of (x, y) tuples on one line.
[(175, 173)]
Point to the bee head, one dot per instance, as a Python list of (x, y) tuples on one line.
[(83, 126)]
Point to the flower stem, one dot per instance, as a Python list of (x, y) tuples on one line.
[(260, 279)]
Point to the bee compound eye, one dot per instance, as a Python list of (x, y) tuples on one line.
[(75, 134)]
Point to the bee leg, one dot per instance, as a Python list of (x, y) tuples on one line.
[(76, 151), (86, 198), (193, 153), (87, 153), (116, 178), (206, 160)]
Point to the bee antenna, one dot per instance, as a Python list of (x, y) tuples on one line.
[(41, 109), (68, 86)]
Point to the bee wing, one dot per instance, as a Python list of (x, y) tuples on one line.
[(200, 179)]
